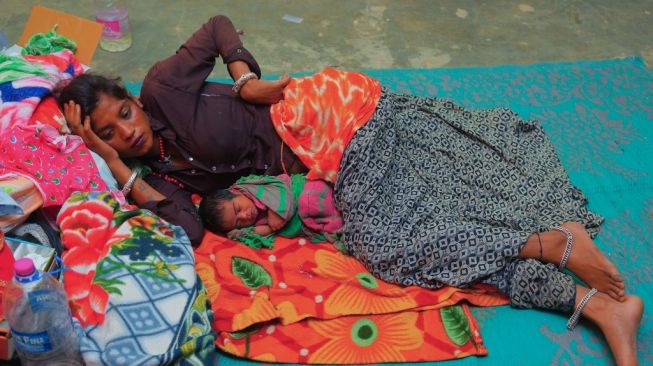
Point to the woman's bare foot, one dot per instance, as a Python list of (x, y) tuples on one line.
[(590, 264), (619, 322), (585, 259)]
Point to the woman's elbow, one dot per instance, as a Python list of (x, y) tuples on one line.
[(195, 234)]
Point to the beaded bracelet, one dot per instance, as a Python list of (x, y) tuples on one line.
[(244, 78), (127, 188)]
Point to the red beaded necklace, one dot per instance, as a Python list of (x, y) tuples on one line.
[(166, 159), (162, 152)]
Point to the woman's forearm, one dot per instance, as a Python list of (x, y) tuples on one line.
[(141, 192), (238, 68)]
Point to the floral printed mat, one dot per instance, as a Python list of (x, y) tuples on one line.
[(303, 302)]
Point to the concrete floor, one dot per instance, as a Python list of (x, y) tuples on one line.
[(366, 34)]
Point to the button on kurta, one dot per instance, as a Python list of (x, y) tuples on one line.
[(190, 158), (213, 168), (233, 167), (193, 171)]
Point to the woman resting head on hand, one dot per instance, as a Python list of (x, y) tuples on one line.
[(196, 136), (103, 112)]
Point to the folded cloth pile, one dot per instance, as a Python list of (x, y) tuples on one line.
[(31, 140)]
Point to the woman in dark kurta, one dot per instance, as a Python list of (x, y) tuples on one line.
[(201, 135), (431, 194)]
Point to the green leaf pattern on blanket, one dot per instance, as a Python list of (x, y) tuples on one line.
[(455, 324), (252, 274), (197, 338), (121, 216), (104, 197), (77, 197), (245, 332), (110, 285)]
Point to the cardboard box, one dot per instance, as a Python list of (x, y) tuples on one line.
[(44, 261), (85, 32)]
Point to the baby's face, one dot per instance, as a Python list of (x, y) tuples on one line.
[(239, 212)]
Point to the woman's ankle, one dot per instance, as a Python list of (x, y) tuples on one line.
[(545, 247), (596, 308)]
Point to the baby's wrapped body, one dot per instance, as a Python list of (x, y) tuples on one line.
[(305, 205)]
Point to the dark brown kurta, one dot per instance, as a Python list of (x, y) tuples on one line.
[(221, 136)]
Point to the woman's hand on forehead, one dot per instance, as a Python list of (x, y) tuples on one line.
[(73, 114)]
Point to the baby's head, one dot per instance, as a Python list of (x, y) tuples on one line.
[(225, 210)]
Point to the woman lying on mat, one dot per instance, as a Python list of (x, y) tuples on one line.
[(431, 194)]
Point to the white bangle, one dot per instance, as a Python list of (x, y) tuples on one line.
[(244, 78), (127, 188)]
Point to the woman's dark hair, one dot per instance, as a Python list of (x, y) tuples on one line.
[(211, 210), (85, 90)]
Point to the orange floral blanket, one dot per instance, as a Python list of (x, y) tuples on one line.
[(309, 303)]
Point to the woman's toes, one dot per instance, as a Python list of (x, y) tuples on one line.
[(616, 293), (613, 295), (621, 295), (618, 279)]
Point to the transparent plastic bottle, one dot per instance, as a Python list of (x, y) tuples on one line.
[(37, 311), (3, 41), (117, 34)]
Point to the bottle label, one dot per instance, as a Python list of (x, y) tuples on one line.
[(114, 29), (32, 342), (35, 276), (42, 300), (111, 29)]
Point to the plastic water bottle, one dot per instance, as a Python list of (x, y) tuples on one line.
[(117, 34), (3, 41), (37, 311)]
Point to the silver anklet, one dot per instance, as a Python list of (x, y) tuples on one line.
[(567, 252), (573, 320)]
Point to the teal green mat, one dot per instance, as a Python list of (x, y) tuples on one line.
[(599, 115)]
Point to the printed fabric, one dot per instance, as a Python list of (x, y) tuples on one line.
[(30, 144), (274, 192), (320, 114), (22, 191), (433, 194), (132, 286), (309, 303), (317, 211)]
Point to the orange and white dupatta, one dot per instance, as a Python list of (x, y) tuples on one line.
[(320, 114)]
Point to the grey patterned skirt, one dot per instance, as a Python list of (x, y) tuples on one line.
[(433, 194)]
